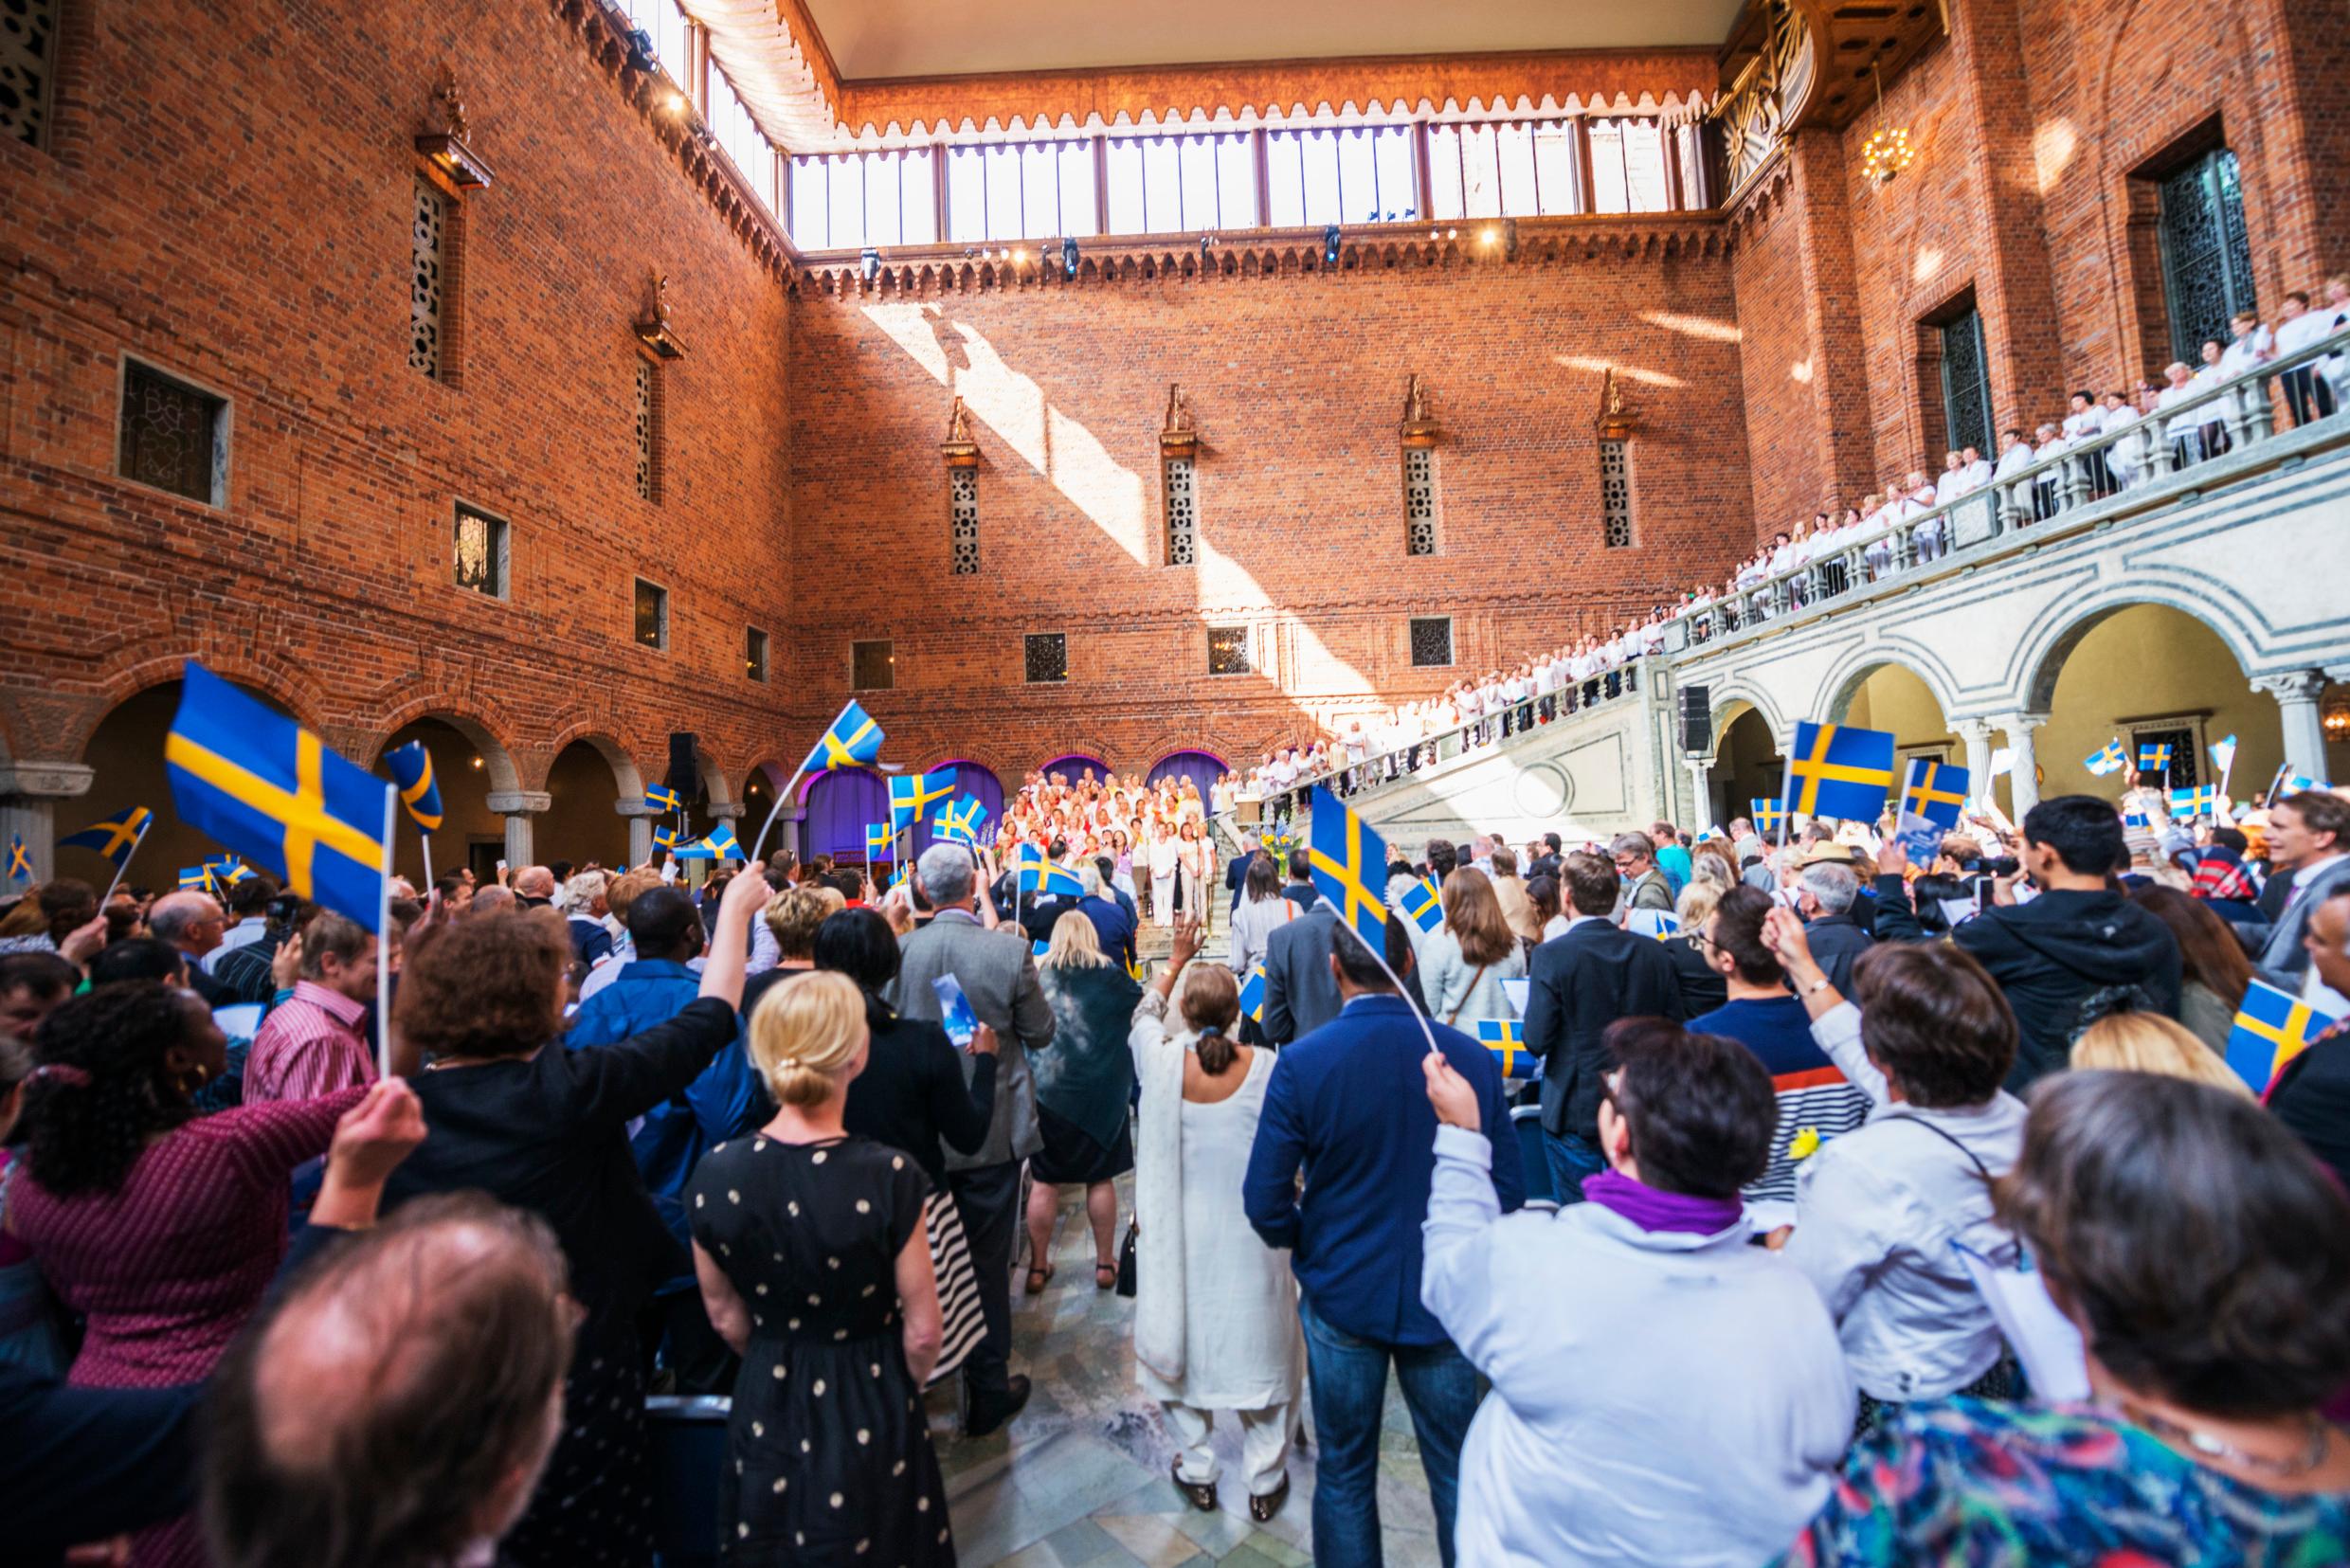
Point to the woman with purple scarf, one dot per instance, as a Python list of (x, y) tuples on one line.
[(1663, 1392)]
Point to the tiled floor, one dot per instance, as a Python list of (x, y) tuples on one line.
[(1080, 1480)]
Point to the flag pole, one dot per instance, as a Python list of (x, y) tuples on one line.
[(776, 810), (383, 939), (1322, 900), (425, 841), (139, 839)]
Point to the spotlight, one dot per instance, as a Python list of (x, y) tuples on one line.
[(641, 56), (871, 260), (1488, 237), (675, 102), (1330, 246), (1068, 257), (476, 763)]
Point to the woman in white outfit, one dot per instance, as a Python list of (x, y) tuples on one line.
[(1215, 1310), (1196, 863), (1165, 854)]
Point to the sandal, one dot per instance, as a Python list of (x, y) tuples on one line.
[(1100, 1283), (1039, 1278), (1199, 1494), (1263, 1508)]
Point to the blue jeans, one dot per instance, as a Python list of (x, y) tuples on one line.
[(1347, 1379), (1572, 1158)]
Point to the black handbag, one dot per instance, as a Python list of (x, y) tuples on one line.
[(1126, 1263)]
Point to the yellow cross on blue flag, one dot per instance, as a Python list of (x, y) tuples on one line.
[(1767, 815), (911, 795), (2108, 758), (272, 791), (114, 837), (2201, 801), (2271, 1029), (1934, 790), (1421, 905), (666, 838), (1253, 994), (1039, 874), (1350, 868), (960, 819), (853, 740), (2154, 758), (199, 877), (1837, 770), (661, 800), (1506, 1039), (19, 860), (411, 769), (227, 872), (879, 841), (717, 844)]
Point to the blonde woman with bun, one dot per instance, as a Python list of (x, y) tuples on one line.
[(815, 1266), (2149, 1042)]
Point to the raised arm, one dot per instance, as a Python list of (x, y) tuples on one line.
[(730, 945)]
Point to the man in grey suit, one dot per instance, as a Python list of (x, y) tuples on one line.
[(2310, 847), (1645, 887), (1300, 994), (999, 977)]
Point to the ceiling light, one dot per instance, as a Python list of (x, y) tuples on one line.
[(1490, 236)]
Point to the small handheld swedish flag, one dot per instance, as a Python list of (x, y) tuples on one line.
[(1659, 924), (911, 795), (1253, 994), (880, 843), (2271, 1029), (2108, 758), (2201, 801), (717, 844), (665, 838), (1506, 1039), (2154, 757), (114, 837), (1349, 864), (198, 877), (268, 789), (1836, 770), (1935, 791), (960, 819), (1039, 874), (411, 769), (19, 860), (1767, 815), (661, 800), (852, 740), (1421, 905)]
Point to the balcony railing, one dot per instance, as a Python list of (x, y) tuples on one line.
[(2111, 472)]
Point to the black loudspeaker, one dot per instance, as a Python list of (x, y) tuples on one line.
[(1696, 719), (684, 774)]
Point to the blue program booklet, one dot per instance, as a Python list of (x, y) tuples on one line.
[(955, 1011)]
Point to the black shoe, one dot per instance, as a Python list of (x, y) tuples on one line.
[(989, 1416)]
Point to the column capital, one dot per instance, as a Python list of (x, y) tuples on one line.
[(37, 778), (519, 802), (638, 809), (2018, 724), (725, 811), (2291, 685), (1974, 730)]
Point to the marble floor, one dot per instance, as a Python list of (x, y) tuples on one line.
[(1080, 1479)]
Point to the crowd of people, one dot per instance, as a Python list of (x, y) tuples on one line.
[(1668, 1270)]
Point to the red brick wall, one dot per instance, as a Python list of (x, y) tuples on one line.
[(1296, 384), (228, 197)]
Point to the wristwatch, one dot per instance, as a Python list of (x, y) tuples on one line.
[(1814, 988)]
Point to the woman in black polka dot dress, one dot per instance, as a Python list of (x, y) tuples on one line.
[(813, 1261)]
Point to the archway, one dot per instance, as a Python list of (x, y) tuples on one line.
[(1073, 764), (582, 822), (2151, 674), (125, 759), (839, 803), (978, 779), (1746, 765), (467, 763), (1202, 767), (1894, 697)]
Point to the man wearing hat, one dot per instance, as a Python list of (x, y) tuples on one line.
[(1827, 889)]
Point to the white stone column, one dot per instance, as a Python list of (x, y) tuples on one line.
[(2296, 693), (639, 817), (518, 807), (1976, 732), (2023, 780), (1701, 798), (28, 794)]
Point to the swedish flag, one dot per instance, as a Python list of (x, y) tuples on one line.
[(228, 872), (661, 800), (2108, 758), (114, 837), (910, 794), (1419, 902), (1659, 924), (1253, 994), (2154, 758), (1506, 1039), (2199, 800), (1038, 875), (20, 861), (198, 877), (270, 790), (717, 844), (1767, 815), (1935, 791), (2270, 1030), (411, 769), (853, 739), (1837, 770), (960, 819), (665, 838), (880, 843), (1349, 864)]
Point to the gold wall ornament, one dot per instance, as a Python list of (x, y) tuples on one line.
[(959, 449), (1617, 418), (1178, 436), (653, 329), (448, 145), (1419, 423)]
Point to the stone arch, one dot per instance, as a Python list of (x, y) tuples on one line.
[(2039, 655), (626, 775), (589, 775), (132, 671), (1853, 668), (497, 757), (1736, 697)]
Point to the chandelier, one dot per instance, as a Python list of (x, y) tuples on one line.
[(1887, 151)]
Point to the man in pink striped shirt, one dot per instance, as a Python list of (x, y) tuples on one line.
[(313, 1044)]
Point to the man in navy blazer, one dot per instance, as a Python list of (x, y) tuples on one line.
[(1300, 996), (1580, 983), (1341, 1103)]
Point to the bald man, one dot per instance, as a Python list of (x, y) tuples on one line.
[(534, 886), (400, 1401), (195, 924)]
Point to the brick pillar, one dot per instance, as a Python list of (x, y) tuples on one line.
[(1842, 431)]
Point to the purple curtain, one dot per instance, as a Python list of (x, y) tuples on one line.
[(1075, 764), (974, 779), (839, 803), (1202, 769)]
